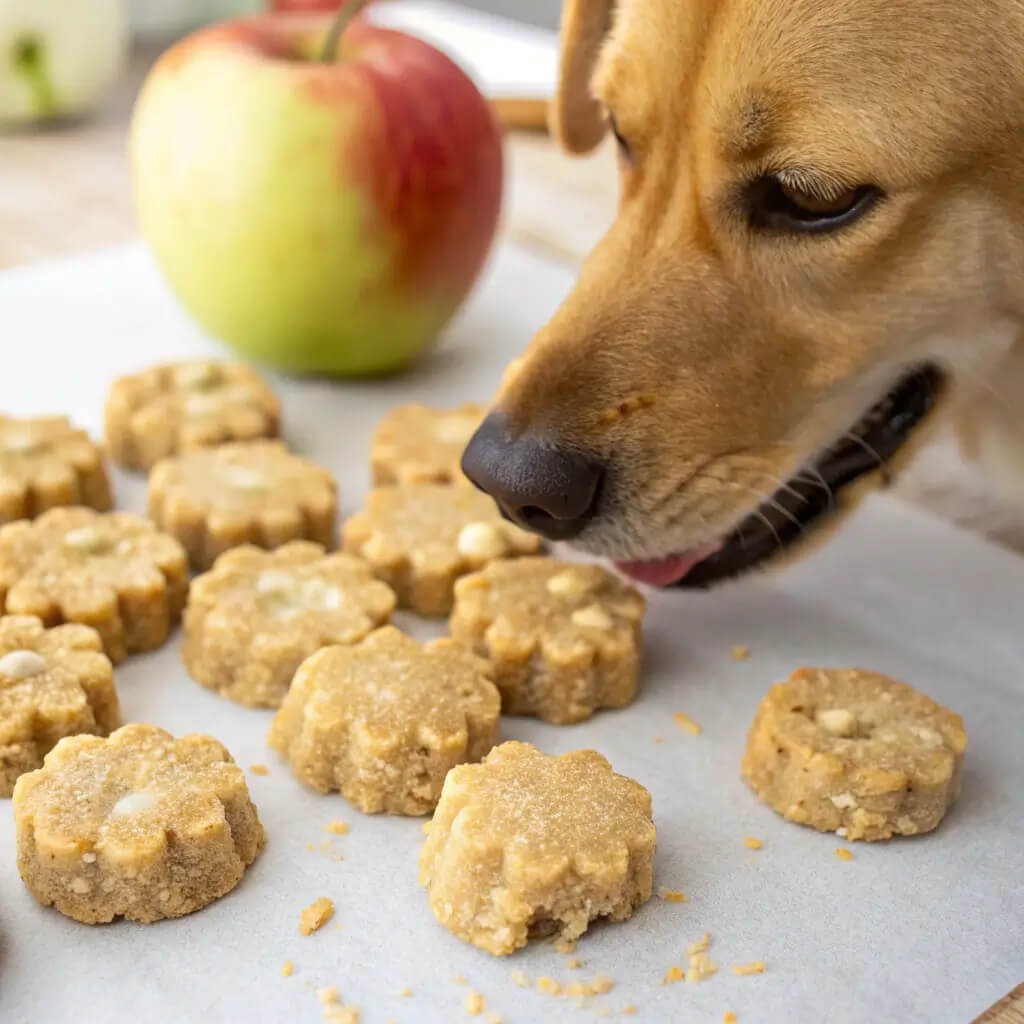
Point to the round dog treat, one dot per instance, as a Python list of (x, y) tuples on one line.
[(527, 845), (179, 407), (853, 752), (53, 683), (139, 825), (46, 463), (257, 615), (253, 492), (384, 720), (564, 639), (114, 572), (420, 538), (415, 444)]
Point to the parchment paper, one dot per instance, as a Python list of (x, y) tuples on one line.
[(929, 929)]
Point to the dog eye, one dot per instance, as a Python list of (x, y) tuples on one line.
[(781, 207), (624, 147)]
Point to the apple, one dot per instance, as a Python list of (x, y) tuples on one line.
[(57, 57), (323, 216)]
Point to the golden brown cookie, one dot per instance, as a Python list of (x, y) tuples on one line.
[(415, 444), (854, 752), (527, 845), (252, 492), (257, 615), (564, 639), (53, 683), (114, 572), (420, 538), (179, 407), (384, 720), (46, 463), (139, 825)]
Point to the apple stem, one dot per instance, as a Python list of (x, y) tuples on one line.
[(341, 22)]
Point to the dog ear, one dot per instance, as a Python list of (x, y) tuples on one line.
[(577, 119)]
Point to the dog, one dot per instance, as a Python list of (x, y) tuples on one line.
[(817, 262)]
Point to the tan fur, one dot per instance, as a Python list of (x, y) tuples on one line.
[(707, 363)]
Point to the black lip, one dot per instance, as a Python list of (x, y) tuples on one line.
[(809, 500)]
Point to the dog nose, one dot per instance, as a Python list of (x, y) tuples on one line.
[(538, 486)]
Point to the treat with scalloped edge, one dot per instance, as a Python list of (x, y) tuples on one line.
[(53, 683), (250, 492), (257, 615), (417, 444), (856, 753), (179, 407), (46, 463), (114, 572), (420, 538), (526, 844), (384, 720), (139, 825), (564, 638)]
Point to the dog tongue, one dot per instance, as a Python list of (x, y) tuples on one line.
[(663, 572)]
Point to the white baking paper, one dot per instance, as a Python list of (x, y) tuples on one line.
[(928, 929)]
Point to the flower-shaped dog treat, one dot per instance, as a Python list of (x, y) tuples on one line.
[(853, 752), (139, 825), (179, 407), (564, 639), (384, 720), (113, 572), (420, 538), (257, 615), (415, 444), (53, 683), (253, 492), (526, 845), (45, 463)]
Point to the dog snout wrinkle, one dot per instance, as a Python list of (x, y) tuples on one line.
[(537, 485)]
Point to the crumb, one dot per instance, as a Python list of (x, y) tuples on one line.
[(673, 974), (309, 846), (493, 1018), (339, 828), (844, 854), (565, 946), (316, 915), (549, 985), (328, 995), (672, 895), (700, 945), (629, 1010), (342, 1015), (287, 969), (659, 739), (700, 967), (474, 1004), (574, 964), (259, 769), (337, 927), (729, 1018), (740, 653), (754, 967), (576, 988), (687, 723), (519, 978), (752, 844), (459, 979), (600, 984), (405, 993)]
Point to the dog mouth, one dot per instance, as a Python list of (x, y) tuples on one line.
[(810, 498)]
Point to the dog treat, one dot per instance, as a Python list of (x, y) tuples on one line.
[(527, 845), (415, 444), (257, 615), (384, 720), (139, 825), (420, 538), (46, 463), (114, 572), (252, 492), (853, 752), (53, 683), (564, 639), (179, 407)]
